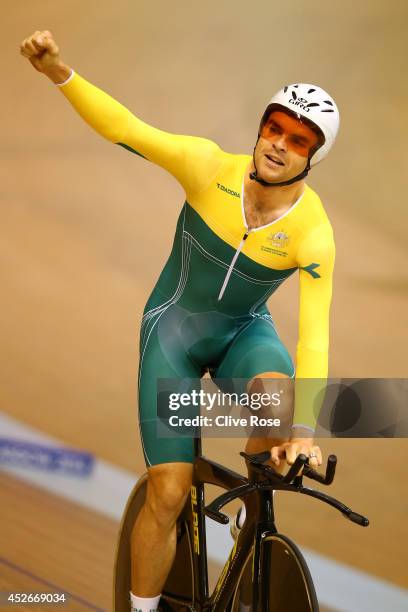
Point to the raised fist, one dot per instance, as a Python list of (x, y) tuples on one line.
[(42, 51)]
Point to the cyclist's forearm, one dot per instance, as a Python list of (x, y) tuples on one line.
[(102, 112), (310, 385)]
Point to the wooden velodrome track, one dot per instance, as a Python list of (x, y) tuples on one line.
[(86, 228)]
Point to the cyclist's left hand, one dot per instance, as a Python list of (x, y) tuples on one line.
[(295, 446)]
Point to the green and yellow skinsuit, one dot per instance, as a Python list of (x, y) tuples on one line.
[(208, 309)]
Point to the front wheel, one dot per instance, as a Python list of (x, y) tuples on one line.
[(286, 584), (122, 569)]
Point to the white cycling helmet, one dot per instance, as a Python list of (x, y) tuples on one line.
[(314, 104)]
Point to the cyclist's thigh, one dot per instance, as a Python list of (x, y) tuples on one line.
[(161, 362), (257, 349)]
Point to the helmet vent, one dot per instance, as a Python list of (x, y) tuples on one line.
[(328, 102), (328, 110), (296, 86), (311, 90), (312, 104), (285, 89), (294, 96)]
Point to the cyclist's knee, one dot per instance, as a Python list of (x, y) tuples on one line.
[(167, 490), (273, 392)]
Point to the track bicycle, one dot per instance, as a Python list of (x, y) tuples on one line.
[(265, 571)]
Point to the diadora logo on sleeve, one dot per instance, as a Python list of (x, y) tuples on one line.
[(229, 191)]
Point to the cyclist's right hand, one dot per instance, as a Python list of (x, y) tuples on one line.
[(42, 51)]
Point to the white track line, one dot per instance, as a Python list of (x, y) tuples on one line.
[(342, 587)]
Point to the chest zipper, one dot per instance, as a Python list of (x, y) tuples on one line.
[(231, 266)]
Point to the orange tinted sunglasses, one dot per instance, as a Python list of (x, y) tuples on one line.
[(299, 137)]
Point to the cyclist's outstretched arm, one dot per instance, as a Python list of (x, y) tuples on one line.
[(193, 161)]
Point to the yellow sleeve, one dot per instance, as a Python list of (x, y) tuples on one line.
[(316, 261), (192, 161)]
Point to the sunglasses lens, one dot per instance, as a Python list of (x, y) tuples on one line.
[(296, 135)]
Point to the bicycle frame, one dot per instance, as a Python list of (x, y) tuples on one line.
[(257, 527), (258, 539)]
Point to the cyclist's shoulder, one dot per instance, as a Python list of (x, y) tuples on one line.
[(314, 202), (234, 164), (228, 166), (316, 220), (316, 229), (205, 152), (211, 148)]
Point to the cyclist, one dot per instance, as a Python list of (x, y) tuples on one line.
[(247, 224)]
